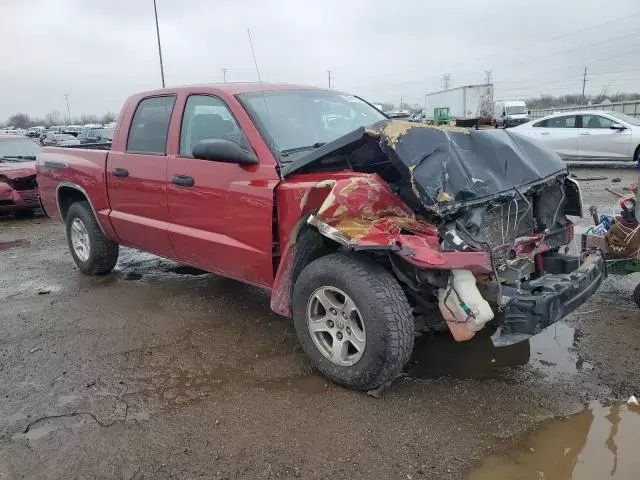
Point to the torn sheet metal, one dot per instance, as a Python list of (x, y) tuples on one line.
[(449, 167), (362, 212)]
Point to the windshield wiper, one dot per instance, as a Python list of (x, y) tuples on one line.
[(290, 151)]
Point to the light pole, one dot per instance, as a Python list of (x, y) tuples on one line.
[(224, 75), (155, 11), (66, 97)]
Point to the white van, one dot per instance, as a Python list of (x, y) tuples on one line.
[(510, 113)]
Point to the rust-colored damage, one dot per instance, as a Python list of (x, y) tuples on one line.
[(367, 214)]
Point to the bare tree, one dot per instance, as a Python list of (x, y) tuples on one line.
[(108, 118), (54, 117), (84, 119), (20, 120)]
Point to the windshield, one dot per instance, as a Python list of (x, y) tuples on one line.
[(294, 121), (18, 149), (625, 118), (516, 109)]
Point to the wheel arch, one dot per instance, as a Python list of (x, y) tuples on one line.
[(67, 194)]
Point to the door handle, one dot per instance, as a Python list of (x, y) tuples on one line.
[(120, 172), (545, 133), (585, 133), (183, 180)]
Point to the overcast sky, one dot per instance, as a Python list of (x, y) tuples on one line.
[(100, 51)]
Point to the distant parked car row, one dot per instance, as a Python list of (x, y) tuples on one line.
[(587, 135)]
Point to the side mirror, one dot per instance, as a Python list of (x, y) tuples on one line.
[(225, 151), (617, 126), (528, 112), (504, 113)]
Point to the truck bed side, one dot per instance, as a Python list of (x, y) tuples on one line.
[(64, 175)]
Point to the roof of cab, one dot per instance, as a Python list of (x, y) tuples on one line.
[(230, 88)]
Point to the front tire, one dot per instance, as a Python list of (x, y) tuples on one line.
[(353, 320), (94, 253)]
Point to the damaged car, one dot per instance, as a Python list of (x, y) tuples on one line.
[(18, 186), (367, 231)]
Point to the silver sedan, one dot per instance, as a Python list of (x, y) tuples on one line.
[(589, 135)]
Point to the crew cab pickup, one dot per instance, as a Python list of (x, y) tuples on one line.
[(367, 231)]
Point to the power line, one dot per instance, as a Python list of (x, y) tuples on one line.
[(488, 77)]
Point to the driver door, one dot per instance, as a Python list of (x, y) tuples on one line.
[(221, 213), (598, 141)]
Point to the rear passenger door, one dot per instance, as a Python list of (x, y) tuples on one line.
[(560, 134), (221, 213), (136, 179)]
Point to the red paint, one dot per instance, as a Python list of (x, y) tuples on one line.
[(12, 200), (224, 223)]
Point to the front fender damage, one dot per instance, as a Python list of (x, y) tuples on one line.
[(362, 213)]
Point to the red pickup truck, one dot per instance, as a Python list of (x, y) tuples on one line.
[(367, 231)]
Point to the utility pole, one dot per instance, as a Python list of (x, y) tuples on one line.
[(488, 77), (66, 97), (155, 11), (446, 81), (224, 75), (401, 101), (584, 81), (329, 76)]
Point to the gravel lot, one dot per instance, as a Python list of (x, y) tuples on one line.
[(157, 371)]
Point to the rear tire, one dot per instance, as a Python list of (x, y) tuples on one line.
[(92, 251), (380, 340)]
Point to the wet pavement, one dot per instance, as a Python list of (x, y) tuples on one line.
[(163, 371)]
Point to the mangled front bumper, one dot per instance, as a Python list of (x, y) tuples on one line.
[(547, 299)]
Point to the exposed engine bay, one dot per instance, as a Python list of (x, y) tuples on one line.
[(473, 220)]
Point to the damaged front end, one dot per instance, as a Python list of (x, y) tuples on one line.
[(470, 222)]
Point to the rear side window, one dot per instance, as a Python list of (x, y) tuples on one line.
[(150, 125), (562, 122)]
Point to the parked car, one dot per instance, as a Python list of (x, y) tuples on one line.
[(343, 221), (59, 139), (96, 135), (510, 113), (35, 132), (18, 187), (591, 135)]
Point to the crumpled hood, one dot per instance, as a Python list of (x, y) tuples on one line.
[(445, 167), (14, 170), (449, 167)]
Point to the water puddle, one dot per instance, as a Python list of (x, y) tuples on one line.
[(598, 443), (14, 244), (552, 352)]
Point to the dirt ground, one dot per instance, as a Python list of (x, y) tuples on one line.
[(158, 371)]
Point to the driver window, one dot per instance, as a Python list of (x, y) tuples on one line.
[(596, 121), (205, 118)]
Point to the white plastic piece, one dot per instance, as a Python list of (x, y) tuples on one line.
[(632, 400), (463, 306)]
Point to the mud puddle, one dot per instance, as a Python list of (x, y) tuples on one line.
[(552, 352), (14, 244), (597, 443)]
